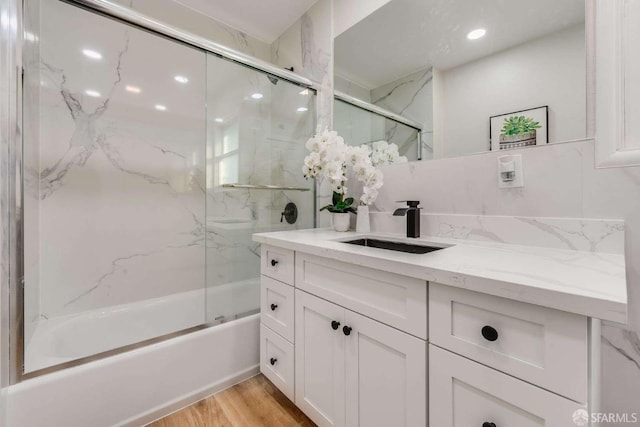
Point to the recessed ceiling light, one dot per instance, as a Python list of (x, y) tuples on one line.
[(181, 79), (219, 119), (257, 95), (304, 92), (92, 54), (476, 34), (160, 107), (132, 89), (302, 109), (93, 93)]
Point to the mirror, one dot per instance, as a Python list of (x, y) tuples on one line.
[(476, 75)]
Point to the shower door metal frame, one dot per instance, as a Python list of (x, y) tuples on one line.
[(12, 320)]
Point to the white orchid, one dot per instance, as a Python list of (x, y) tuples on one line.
[(329, 157)]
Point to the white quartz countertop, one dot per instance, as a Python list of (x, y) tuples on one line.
[(587, 283)]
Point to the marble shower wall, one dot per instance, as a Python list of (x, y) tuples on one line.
[(410, 97), (117, 175), (187, 19), (257, 142), (560, 182), (307, 46)]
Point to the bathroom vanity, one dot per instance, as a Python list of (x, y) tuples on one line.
[(484, 333)]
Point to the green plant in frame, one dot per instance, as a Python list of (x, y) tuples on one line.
[(340, 204), (516, 125)]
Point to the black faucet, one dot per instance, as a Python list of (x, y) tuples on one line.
[(413, 217)]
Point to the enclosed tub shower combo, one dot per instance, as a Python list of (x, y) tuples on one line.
[(148, 158)]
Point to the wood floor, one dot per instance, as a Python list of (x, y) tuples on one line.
[(252, 403)]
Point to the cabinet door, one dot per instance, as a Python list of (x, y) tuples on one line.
[(464, 393), (319, 362), (386, 375)]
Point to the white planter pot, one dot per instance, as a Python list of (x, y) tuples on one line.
[(362, 221), (340, 221)]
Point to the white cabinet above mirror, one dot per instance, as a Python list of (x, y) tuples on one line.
[(476, 76)]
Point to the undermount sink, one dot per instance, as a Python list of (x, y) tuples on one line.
[(394, 246)]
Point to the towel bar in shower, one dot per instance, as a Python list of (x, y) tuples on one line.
[(264, 187)]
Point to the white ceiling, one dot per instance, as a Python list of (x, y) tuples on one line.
[(405, 36), (264, 20)]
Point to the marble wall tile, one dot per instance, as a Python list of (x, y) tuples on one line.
[(469, 184), (410, 96), (591, 235), (264, 141), (307, 46), (118, 189), (620, 371), (182, 17)]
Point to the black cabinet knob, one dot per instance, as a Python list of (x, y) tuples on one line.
[(273, 361), (346, 330), (274, 262), (488, 424), (273, 307), (489, 333), (335, 325)]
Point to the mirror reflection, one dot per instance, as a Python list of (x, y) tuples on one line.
[(476, 76)]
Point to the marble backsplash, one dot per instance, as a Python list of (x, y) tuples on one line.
[(591, 235)]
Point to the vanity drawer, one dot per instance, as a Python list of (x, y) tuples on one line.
[(543, 346), (395, 300), (277, 306), (464, 393), (277, 263), (276, 360)]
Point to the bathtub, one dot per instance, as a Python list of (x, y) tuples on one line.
[(140, 385)]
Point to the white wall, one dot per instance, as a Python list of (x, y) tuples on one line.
[(547, 71), (347, 13)]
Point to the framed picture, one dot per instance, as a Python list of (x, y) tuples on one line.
[(519, 129)]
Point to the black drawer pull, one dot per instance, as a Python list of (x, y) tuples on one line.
[(489, 333), (273, 361), (274, 262), (273, 307), (488, 424), (347, 330), (335, 325)]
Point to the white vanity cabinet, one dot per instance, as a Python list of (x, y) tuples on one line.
[(353, 345), (354, 371), (355, 351), (467, 394), (499, 362)]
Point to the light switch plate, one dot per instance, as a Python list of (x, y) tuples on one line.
[(518, 179)]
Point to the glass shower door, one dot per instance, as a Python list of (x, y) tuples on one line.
[(114, 209), (257, 126)]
